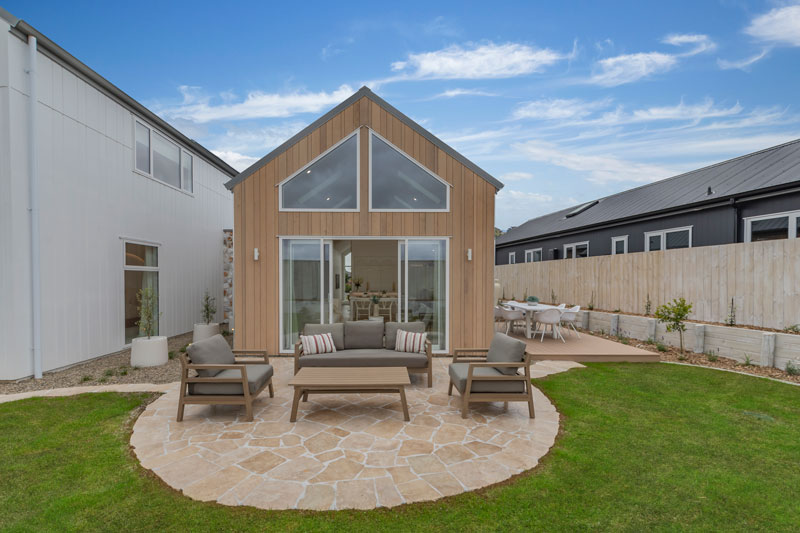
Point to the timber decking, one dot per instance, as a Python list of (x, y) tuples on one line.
[(586, 349)]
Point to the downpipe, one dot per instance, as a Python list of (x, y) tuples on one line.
[(33, 170)]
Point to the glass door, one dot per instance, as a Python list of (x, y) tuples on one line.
[(422, 272), (306, 288)]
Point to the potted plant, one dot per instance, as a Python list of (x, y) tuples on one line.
[(148, 350), (357, 283), (207, 328), (375, 300)]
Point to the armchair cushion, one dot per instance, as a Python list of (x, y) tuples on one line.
[(214, 350), (257, 375), (336, 330), (505, 349), (392, 327), (365, 357), (363, 334), (459, 372)]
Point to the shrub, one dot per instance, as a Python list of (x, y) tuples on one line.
[(86, 378), (623, 339), (123, 372), (591, 303), (673, 315), (731, 318), (616, 310), (209, 308), (792, 369), (108, 373), (647, 305), (171, 355), (553, 298), (747, 360), (183, 348), (650, 341), (711, 356), (792, 329), (661, 347)]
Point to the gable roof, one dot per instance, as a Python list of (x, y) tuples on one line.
[(364, 92), (71, 62), (771, 168)]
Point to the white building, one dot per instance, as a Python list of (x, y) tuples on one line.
[(124, 201)]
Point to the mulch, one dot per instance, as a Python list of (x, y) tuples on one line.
[(673, 355), (109, 369)]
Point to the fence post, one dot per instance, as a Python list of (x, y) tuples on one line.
[(585, 320), (699, 338), (614, 325), (651, 329), (768, 349)]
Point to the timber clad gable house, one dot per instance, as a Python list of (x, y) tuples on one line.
[(750, 198), (363, 215)]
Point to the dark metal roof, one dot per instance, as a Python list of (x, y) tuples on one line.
[(766, 169), (364, 92), (99, 81)]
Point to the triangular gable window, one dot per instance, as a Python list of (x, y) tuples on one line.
[(398, 183), (329, 183)]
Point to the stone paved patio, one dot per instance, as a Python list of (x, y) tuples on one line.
[(344, 452)]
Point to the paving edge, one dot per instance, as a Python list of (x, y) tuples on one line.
[(733, 372)]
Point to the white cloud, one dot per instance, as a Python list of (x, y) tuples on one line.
[(238, 161), (600, 168), (513, 207), (628, 68), (700, 43), (557, 109), (780, 26), (257, 104), (516, 176), (484, 61), (693, 113), (452, 93), (742, 64)]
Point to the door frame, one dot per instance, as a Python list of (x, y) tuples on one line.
[(323, 239)]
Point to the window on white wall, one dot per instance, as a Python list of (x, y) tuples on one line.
[(576, 249), (533, 256), (772, 227), (141, 272), (668, 239), (327, 183), (512, 258), (619, 245), (160, 158)]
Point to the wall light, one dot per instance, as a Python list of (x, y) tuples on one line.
[(469, 254), (255, 254)]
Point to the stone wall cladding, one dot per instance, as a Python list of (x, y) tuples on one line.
[(227, 278)]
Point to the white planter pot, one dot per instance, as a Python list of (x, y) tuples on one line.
[(149, 352), (204, 331)]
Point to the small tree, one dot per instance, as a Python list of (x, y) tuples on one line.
[(648, 305), (209, 308), (731, 318), (591, 303), (673, 315), (148, 317), (553, 297)]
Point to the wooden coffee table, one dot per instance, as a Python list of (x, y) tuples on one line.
[(320, 380)]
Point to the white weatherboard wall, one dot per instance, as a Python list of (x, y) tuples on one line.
[(90, 197)]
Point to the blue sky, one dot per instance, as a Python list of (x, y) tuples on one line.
[(562, 101)]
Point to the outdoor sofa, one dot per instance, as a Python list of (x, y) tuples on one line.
[(366, 343)]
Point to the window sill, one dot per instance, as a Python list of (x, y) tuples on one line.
[(164, 183)]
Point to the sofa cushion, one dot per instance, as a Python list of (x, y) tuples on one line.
[(337, 330), (322, 343), (410, 342), (365, 357), (505, 349), (392, 327), (458, 375), (363, 334), (211, 351), (257, 376)]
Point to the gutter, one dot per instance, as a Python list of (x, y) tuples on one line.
[(33, 173), (25, 30)]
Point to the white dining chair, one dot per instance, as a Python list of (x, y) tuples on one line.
[(569, 318), (511, 317), (552, 318)]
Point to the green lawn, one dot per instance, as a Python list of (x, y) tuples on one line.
[(644, 447)]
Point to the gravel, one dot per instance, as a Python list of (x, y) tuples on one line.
[(107, 370)]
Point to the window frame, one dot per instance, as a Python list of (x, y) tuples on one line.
[(126, 267), (299, 171), (183, 151), (663, 234), (615, 240), (574, 245), (532, 252), (512, 258), (793, 221), (447, 185)]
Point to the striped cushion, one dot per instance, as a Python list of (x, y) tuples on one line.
[(408, 341), (313, 344)]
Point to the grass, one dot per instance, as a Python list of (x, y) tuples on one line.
[(644, 447)]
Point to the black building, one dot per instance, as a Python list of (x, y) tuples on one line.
[(750, 198)]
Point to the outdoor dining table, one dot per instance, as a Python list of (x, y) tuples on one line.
[(529, 309)]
